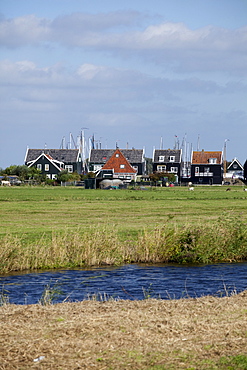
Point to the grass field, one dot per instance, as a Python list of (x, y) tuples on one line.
[(66, 227), (37, 216)]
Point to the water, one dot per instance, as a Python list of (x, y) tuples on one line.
[(127, 282)]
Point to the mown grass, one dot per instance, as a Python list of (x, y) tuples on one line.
[(49, 227)]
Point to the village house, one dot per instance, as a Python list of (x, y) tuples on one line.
[(118, 167), (235, 170), (52, 161), (245, 171), (207, 167), (168, 161), (99, 157)]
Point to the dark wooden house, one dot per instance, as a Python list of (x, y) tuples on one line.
[(168, 161), (207, 167), (245, 172), (52, 161), (235, 169)]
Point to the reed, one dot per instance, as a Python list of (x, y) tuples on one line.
[(226, 241)]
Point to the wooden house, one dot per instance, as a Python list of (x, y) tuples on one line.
[(168, 161), (207, 167), (120, 167), (235, 170), (245, 171), (52, 161), (99, 157)]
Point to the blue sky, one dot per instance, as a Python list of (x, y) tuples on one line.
[(130, 73)]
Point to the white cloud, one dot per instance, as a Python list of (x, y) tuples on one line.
[(120, 33)]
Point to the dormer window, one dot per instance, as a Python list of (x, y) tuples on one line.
[(161, 158), (117, 155), (172, 158), (122, 165), (212, 160)]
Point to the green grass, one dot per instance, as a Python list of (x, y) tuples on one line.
[(34, 210), (162, 221)]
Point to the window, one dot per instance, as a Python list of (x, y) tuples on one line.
[(122, 166), (117, 155), (69, 168), (47, 167), (174, 169), (172, 158), (39, 166), (161, 168), (97, 167), (206, 169), (196, 169), (161, 158), (212, 160)]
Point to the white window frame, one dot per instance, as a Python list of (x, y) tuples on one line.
[(161, 158), (97, 167), (174, 170), (47, 166), (69, 168), (161, 168), (39, 166), (172, 158), (212, 160), (122, 166), (197, 169)]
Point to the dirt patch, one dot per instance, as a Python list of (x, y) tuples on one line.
[(148, 334)]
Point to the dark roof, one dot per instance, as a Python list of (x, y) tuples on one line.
[(62, 155), (203, 157), (167, 153), (103, 155)]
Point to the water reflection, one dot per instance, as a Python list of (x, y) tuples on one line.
[(127, 282)]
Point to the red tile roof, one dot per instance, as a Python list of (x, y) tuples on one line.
[(118, 163), (203, 157)]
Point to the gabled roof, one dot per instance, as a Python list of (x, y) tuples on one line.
[(204, 157), (166, 153), (49, 159), (235, 162), (61, 155), (103, 155), (118, 163)]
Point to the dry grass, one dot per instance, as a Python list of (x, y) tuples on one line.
[(148, 334)]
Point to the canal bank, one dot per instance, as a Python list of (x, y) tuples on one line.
[(200, 333)]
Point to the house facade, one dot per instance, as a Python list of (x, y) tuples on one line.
[(235, 170), (120, 167), (245, 171), (168, 161), (207, 167), (99, 157), (52, 161)]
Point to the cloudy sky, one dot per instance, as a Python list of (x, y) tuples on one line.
[(138, 73)]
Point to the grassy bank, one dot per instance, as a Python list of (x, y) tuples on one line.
[(206, 333), (69, 227)]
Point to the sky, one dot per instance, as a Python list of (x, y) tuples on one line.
[(138, 74)]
